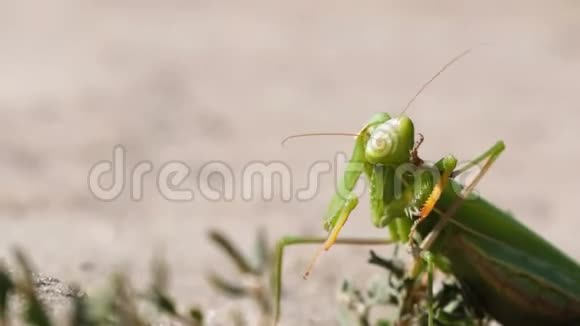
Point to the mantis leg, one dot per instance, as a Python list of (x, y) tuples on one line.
[(388, 202), (415, 151), (489, 157), (293, 240), (491, 154), (342, 216), (343, 207), (444, 170)]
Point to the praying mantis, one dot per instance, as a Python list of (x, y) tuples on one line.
[(512, 273)]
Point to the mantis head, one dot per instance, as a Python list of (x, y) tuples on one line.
[(390, 142)]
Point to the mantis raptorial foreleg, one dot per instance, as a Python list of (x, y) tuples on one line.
[(426, 256), (345, 200), (443, 170), (297, 240), (489, 157)]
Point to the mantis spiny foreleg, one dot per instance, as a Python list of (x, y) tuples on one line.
[(489, 157)]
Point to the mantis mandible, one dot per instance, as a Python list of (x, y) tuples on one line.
[(516, 276)]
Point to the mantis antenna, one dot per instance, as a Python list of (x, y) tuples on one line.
[(317, 134), (447, 65), (407, 106)]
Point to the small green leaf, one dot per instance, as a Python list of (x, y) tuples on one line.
[(383, 322), (35, 312), (163, 302), (125, 306), (226, 287), (196, 314), (226, 245), (80, 315), (6, 288)]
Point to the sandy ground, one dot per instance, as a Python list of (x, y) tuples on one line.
[(204, 81)]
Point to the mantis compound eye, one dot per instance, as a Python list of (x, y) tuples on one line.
[(383, 141), (380, 141)]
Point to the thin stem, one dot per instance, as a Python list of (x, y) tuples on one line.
[(291, 240)]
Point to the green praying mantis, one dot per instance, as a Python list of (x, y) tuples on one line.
[(512, 273)]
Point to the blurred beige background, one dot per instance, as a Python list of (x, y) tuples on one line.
[(198, 81)]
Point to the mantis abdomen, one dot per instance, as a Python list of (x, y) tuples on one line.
[(510, 271)]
